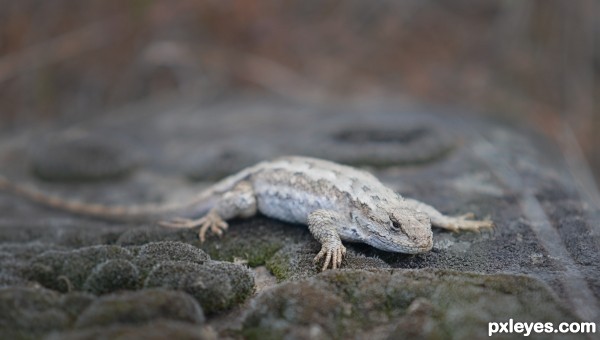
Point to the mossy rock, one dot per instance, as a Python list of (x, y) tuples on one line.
[(253, 241), (148, 234), (151, 254), (296, 261), (111, 276), (28, 313), (69, 270), (141, 307), (216, 285), (422, 303), (296, 310), (158, 329)]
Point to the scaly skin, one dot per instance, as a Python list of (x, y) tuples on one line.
[(338, 203)]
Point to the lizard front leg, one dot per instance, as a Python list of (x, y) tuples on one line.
[(323, 225), (453, 223), (238, 202)]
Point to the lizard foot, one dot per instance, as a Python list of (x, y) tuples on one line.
[(210, 221), (334, 252), (465, 222)]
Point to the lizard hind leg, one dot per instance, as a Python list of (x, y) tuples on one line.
[(238, 202), (211, 221)]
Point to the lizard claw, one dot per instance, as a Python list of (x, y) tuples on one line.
[(211, 221), (334, 252)]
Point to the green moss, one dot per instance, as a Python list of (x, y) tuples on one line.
[(279, 265), (431, 304), (296, 261), (253, 251), (253, 241)]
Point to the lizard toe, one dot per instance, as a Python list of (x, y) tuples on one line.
[(327, 260), (333, 253), (342, 253), (320, 255), (334, 260), (203, 229)]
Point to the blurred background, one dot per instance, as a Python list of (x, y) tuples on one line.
[(528, 63)]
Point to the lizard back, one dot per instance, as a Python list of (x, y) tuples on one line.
[(290, 188)]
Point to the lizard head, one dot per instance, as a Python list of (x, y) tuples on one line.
[(405, 231)]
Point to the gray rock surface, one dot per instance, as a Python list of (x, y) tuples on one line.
[(72, 157), (540, 263)]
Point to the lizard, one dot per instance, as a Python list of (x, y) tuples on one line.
[(337, 203)]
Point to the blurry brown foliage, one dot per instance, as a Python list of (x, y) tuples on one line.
[(530, 61)]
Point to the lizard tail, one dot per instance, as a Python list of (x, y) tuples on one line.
[(195, 207), (135, 212)]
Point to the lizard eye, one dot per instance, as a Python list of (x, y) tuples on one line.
[(396, 226)]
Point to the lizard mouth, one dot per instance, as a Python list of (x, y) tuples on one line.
[(423, 246)]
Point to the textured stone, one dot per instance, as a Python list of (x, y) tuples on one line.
[(156, 330), (421, 303), (151, 254), (68, 270), (141, 307), (544, 229), (216, 285), (111, 276), (28, 313)]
